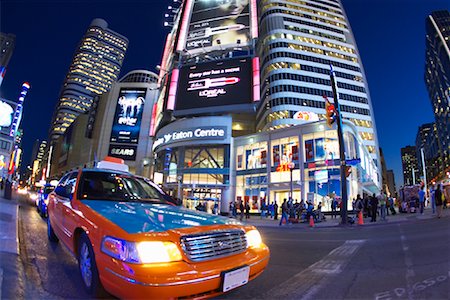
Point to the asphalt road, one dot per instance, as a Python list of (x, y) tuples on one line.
[(409, 260)]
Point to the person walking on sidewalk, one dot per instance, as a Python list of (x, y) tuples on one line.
[(284, 212), (433, 200), (421, 199), (438, 199), (275, 211), (358, 205), (241, 209), (247, 210), (374, 208), (382, 201), (334, 205)]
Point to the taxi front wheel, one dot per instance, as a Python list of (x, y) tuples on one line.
[(88, 268)]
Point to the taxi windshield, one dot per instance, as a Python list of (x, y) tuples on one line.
[(117, 187)]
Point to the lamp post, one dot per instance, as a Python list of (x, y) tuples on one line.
[(291, 167)]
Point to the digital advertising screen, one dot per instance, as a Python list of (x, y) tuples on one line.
[(127, 119), (215, 84), (6, 115), (218, 23)]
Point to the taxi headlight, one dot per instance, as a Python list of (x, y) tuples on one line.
[(253, 239), (141, 252)]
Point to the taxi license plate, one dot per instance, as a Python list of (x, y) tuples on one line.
[(235, 278)]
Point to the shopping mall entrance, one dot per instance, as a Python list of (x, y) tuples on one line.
[(279, 196)]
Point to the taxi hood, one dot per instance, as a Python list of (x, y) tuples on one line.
[(138, 217)]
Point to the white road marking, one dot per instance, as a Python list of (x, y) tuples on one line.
[(409, 265), (1, 282), (307, 283)]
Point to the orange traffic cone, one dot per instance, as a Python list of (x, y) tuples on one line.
[(311, 221), (360, 218)]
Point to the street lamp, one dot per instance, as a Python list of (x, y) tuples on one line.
[(291, 167)]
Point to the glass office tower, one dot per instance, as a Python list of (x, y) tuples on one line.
[(95, 66)]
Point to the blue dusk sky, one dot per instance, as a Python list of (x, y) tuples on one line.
[(390, 35)]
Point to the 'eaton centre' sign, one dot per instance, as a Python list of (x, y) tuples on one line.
[(209, 132)]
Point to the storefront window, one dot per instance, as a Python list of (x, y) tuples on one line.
[(204, 157), (284, 151), (321, 146), (253, 156)]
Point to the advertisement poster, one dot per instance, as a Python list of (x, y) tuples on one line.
[(276, 155), (309, 150), (320, 149), (123, 152), (295, 152), (215, 84), (218, 23), (127, 119)]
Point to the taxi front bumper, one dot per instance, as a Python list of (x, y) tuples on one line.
[(179, 279)]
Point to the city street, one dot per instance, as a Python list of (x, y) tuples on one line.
[(403, 260)]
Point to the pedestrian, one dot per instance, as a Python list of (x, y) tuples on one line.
[(374, 208), (433, 200), (284, 212), (333, 208), (421, 199), (247, 210), (263, 209), (439, 200), (359, 206), (241, 209), (382, 202), (319, 212), (366, 206), (275, 211), (391, 205), (271, 210)]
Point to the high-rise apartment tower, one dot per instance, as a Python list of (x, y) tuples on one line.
[(95, 66)]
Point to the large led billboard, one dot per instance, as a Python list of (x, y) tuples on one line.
[(127, 119), (6, 116), (215, 84), (218, 23)]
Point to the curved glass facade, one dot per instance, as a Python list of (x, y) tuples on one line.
[(299, 41)]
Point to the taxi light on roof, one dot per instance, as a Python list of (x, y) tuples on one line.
[(113, 163)]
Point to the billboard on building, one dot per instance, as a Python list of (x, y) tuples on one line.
[(123, 151), (6, 115), (127, 119), (215, 84), (218, 24)]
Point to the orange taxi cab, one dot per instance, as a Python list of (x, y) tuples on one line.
[(133, 243)]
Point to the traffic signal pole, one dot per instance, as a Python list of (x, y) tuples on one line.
[(344, 196)]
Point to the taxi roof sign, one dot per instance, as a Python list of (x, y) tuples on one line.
[(113, 163)]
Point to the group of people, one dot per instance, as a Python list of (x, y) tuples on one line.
[(437, 197), (372, 206), (244, 209)]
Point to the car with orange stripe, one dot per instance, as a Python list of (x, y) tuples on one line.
[(133, 243)]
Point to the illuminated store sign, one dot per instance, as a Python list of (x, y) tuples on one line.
[(128, 116), (123, 152), (218, 24), (210, 132), (215, 84), (306, 116), (6, 116)]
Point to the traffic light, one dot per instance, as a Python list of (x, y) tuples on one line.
[(348, 170), (330, 112)]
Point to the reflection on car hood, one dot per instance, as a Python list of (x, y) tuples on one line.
[(138, 217)]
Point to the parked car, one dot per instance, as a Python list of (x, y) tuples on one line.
[(42, 200), (132, 242)]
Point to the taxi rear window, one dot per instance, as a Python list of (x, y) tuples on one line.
[(116, 187)]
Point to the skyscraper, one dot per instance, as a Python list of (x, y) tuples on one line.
[(7, 43), (410, 165), (437, 78), (95, 66), (298, 42)]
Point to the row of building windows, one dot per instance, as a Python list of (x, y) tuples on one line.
[(297, 77), (306, 16), (313, 103), (300, 8), (313, 32), (315, 25), (5, 145), (274, 45), (304, 39), (311, 91), (328, 6), (299, 56), (303, 67)]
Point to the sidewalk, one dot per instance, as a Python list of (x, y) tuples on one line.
[(334, 222), (12, 276)]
